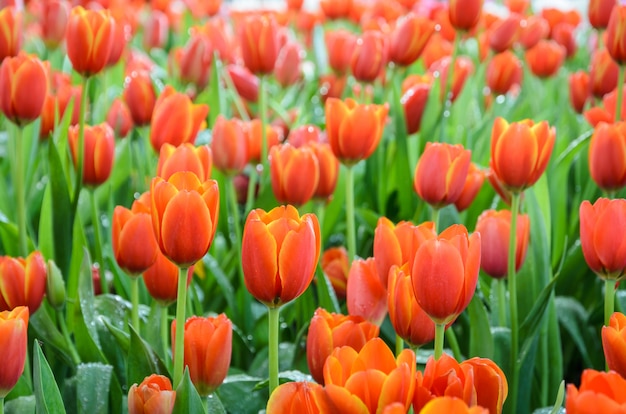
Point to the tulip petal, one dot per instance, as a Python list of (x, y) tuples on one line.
[(296, 262), (516, 156), (259, 261)]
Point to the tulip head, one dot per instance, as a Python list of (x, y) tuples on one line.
[(185, 157), (614, 343), (13, 345), (140, 96), (615, 34), (335, 265), (22, 282), (473, 184), (134, 245), (90, 37), (464, 14), (409, 39), (229, 145), (294, 172), (99, 152), (366, 295), (258, 38), (545, 58), (153, 395), (607, 156), (23, 88), (369, 56), (161, 279), (599, 392)]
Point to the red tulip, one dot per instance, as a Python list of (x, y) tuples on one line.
[(12, 33), (339, 45), (140, 96), (607, 156), (229, 145), (545, 58), (505, 33), (463, 68), (535, 29), (599, 392), (23, 88), (13, 346), (614, 343), (89, 39), (294, 172), (599, 13), (366, 296), (603, 73), (195, 60), (464, 15), (122, 32), (258, 38), (579, 90), (156, 30), (473, 184), (503, 72), (288, 70), (369, 56), (246, 83), (335, 265), (55, 15), (185, 157), (154, 395), (98, 155), (161, 279), (409, 38), (119, 118), (615, 34), (336, 9), (22, 282)]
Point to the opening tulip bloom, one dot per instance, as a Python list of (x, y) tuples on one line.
[(98, 154), (185, 157), (614, 343), (329, 170), (23, 88), (229, 145), (451, 405), (280, 251), (335, 265), (599, 392), (520, 152), (409, 38), (444, 273), (354, 130), (140, 96), (369, 56), (13, 343), (184, 216), (153, 395), (22, 282), (90, 36), (473, 184), (607, 156), (295, 398)]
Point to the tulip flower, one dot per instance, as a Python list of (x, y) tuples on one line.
[(295, 398), (599, 392), (90, 37), (175, 119), (13, 344), (61, 93), (288, 64), (22, 282), (155, 30), (536, 29), (464, 15), (336, 9), (451, 405), (140, 96), (246, 83), (134, 245), (520, 152), (153, 395), (599, 13), (579, 90), (98, 155), (329, 170), (414, 102), (195, 59), (258, 38), (23, 88), (161, 280), (563, 34), (463, 68), (607, 156), (473, 184), (253, 131), (614, 34), (229, 146), (11, 35), (208, 348), (294, 172), (476, 381), (328, 331), (339, 45), (304, 135), (545, 58), (366, 296), (517, 6), (503, 72), (335, 265), (437, 48), (55, 15), (185, 157), (441, 173), (369, 56), (408, 319), (614, 343), (505, 33), (362, 381), (119, 118), (121, 36), (409, 39), (184, 216), (603, 73)]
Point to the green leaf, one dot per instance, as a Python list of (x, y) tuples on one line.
[(528, 329), (47, 396), (237, 395), (21, 405), (46, 331), (326, 294), (214, 90), (187, 398), (560, 396), (481, 340), (122, 338), (214, 404), (142, 360), (573, 317), (93, 381)]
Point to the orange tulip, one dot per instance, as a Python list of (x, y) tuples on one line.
[(603, 73), (253, 131), (503, 72), (12, 33), (599, 392), (555, 16), (520, 152), (329, 170), (336, 9), (354, 130), (473, 184), (409, 38), (119, 118), (140, 96), (295, 398), (280, 251), (599, 13), (55, 15), (445, 271), (408, 319), (288, 69), (607, 156), (22, 282), (90, 37), (339, 45), (606, 111), (328, 331), (184, 216), (536, 29), (579, 90), (366, 295), (601, 227), (59, 96), (517, 6), (208, 349), (229, 145), (494, 228), (476, 381), (465, 14), (23, 88), (451, 405), (175, 119), (258, 38), (185, 157), (369, 56), (614, 343), (361, 381), (505, 33), (134, 245), (153, 395), (615, 34), (441, 173), (122, 32), (335, 265), (99, 152), (545, 58), (161, 279), (13, 345), (563, 34), (414, 102), (295, 173)]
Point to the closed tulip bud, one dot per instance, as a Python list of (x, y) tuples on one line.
[(335, 265), (156, 31), (614, 343), (369, 56), (336, 9), (253, 131), (603, 73), (22, 282), (464, 15), (328, 331), (90, 37), (545, 58), (195, 59), (184, 216), (294, 172), (534, 29), (408, 319), (98, 155), (494, 228), (414, 102), (579, 90), (139, 96), (229, 146), (601, 225), (161, 279), (295, 398), (473, 184), (505, 33), (55, 286), (185, 157), (503, 72), (134, 245), (444, 273), (246, 83), (615, 34), (280, 251), (354, 130), (153, 395), (441, 173), (119, 118), (208, 349), (122, 33), (520, 152), (599, 13), (599, 392), (12, 33), (55, 15), (409, 39), (366, 296), (339, 44), (23, 88), (175, 119), (288, 69), (607, 156), (361, 381), (13, 345), (329, 170), (258, 38)]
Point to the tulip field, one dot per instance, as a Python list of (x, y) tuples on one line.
[(370, 206)]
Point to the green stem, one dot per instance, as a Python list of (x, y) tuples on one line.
[(2, 405), (164, 333), (320, 212), (81, 139), (435, 217), (620, 89), (609, 300), (454, 344), (239, 105), (179, 340), (134, 299), (500, 285), (399, 345), (513, 304), (20, 193), (250, 197), (350, 213), (273, 314), (95, 222), (263, 114), (234, 207), (439, 336), (68, 339)]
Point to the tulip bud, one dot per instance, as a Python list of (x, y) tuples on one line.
[(55, 286)]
